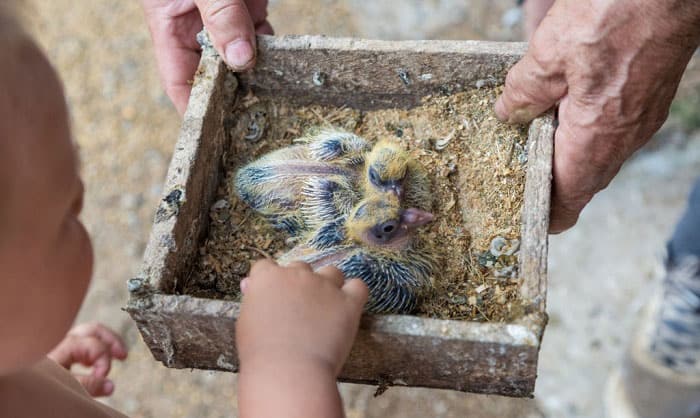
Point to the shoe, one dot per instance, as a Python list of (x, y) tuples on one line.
[(660, 373)]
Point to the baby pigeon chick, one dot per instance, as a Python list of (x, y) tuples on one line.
[(391, 169), (304, 186), (273, 185), (375, 243)]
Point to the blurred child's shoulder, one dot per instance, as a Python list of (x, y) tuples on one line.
[(47, 389)]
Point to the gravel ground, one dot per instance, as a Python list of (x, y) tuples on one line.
[(600, 271)]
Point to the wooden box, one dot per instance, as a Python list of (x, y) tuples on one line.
[(188, 332)]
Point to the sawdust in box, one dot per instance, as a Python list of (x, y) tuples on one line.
[(481, 329), (477, 171)]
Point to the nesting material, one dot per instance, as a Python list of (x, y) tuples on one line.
[(477, 169)]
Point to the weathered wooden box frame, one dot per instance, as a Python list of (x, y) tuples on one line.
[(187, 332)]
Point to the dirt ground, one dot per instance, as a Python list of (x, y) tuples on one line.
[(600, 272)]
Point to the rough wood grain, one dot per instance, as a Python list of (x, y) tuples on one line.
[(186, 332), (181, 218), (535, 212), (375, 74)]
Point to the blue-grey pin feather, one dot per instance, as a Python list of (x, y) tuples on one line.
[(376, 244), (331, 144), (291, 187)]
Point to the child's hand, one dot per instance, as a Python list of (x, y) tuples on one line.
[(291, 315), (92, 345), (294, 333)]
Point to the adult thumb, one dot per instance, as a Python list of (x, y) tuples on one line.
[(231, 30), (530, 90)]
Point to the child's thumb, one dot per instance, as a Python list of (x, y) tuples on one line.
[(357, 292)]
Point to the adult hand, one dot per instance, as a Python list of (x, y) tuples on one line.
[(92, 345), (613, 66), (174, 24)]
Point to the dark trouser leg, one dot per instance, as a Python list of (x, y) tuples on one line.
[(685, 241), (676, 342), (660, 375)]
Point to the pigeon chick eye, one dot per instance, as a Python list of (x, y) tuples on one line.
[(374, 177), (385, 231), (378, 245)]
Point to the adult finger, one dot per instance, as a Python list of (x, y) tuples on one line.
[(333, 275), (173, 30), (257, 10), (586, 159), (176, 66), (96, 386), (533, 13), (533, 85), (231, 30), (113, 340), (357, 292), (264, 28)]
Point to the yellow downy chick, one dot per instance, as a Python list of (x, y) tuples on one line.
[(389, 168), (319, 180), (275, 184), (377, 244), (386, 167)]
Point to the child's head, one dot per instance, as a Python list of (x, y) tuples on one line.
[(45, 252)]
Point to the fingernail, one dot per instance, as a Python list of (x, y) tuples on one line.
[(520, 116), (108, 386), (239, 53), (244, 285), (120, 353)]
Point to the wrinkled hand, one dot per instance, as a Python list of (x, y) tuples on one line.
[(92, 345), (174, 24), (614, 67), (291, 315)]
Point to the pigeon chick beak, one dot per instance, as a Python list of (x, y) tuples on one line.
[(413, 218), (397, 190)]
